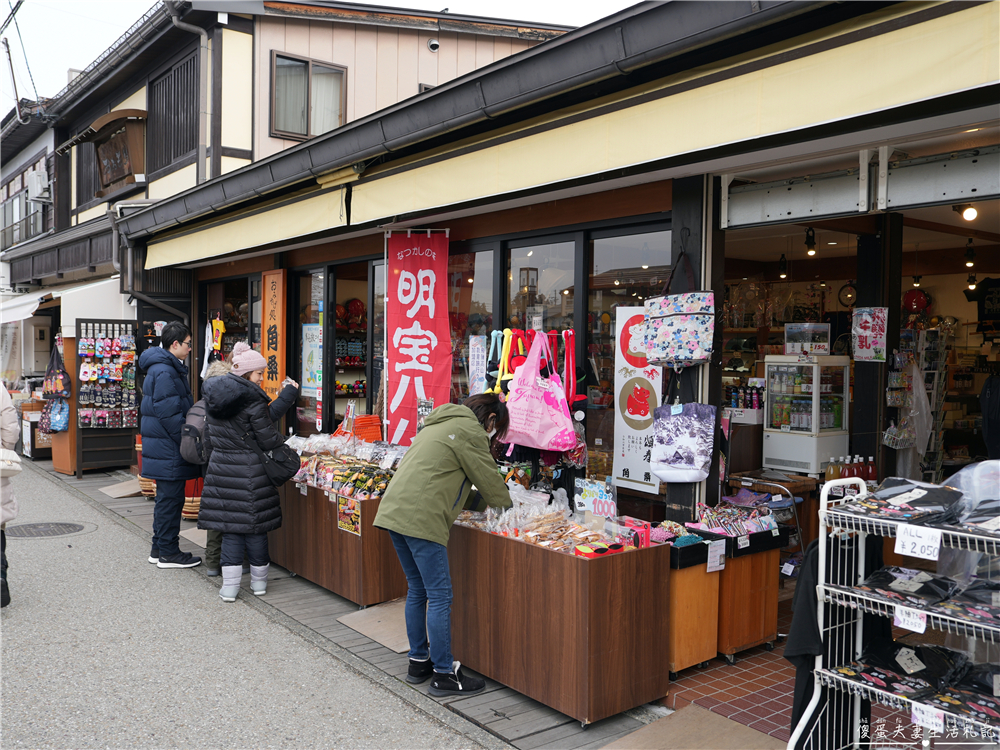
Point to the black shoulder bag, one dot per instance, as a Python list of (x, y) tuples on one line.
[(280, 464)]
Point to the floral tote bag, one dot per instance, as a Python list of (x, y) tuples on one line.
[(680, 327)]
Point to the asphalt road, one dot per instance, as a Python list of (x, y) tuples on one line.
[(101, 649)]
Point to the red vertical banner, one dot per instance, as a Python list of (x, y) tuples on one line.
[(418, 339), (273, 329)]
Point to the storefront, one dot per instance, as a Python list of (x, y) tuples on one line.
[(567, 221)]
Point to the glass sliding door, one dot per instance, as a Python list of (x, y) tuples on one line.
[(470, 315), (350, 338), (308, 332), (540, 282)]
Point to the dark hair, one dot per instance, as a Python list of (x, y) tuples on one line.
[(173, 331), (483, 405)]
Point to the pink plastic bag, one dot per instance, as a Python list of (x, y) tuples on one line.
[(539, 414)]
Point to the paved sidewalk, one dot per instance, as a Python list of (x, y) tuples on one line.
[(100, 649)]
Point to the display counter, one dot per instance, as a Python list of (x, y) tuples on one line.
[(694, 608), (583, 636), (340, 551)]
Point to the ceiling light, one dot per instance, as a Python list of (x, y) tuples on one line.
[(565, 291), (970, 254), (530, 253), (822, 283), (810, 242), (782, 267), (617, 282), (972, 281), (645, 267), (831, 243), (968, 211), (916, 280), (974, 130), (470, 281)]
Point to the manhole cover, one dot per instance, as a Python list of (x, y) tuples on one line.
[(29, 530)]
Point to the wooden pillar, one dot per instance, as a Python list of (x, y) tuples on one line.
[(879, 284)]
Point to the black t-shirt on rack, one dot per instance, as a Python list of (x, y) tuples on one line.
[(986, 295)]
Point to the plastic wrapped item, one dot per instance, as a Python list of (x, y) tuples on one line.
[(885, 679), (905, 585), (939, 666), (898, 499)]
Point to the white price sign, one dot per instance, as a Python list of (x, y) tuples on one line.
[(743, 542), (918, 541), (787, 569), (716, 556), (910, 619), (928, 717)]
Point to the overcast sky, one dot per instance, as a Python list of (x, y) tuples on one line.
[(63, 34)]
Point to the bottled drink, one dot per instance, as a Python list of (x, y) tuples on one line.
[(786, 413), (832, 470), (843, 468), (807, 415), (871, 474), (796, 415), (798, 383), (837, 414), (755, 398)]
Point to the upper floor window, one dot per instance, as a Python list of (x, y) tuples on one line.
[(307, 97), (172, 124), (21, 219)]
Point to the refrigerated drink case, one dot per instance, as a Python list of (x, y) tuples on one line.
[(806, 412)]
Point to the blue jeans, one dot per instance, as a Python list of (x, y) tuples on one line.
[(167, 516), (428, 599), (233, 546)]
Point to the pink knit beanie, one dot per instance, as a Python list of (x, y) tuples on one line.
[(245, 360)]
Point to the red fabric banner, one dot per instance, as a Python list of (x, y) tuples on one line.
[(418, 339)]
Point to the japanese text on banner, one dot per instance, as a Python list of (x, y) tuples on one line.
[(273, 320), (418, 338), (637, 393), (868, 328)]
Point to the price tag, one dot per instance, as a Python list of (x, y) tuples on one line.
[(908, 587), (775, 532), (918, 541), (996, 598), (676, 409), (746, 482), (716, 556), (738, 413), (910, 619), (992, 525), (996, 685), (907, 659), (787, 569), (598, 441), (743, 542), (303, 490), (786, 428), (928, 717)]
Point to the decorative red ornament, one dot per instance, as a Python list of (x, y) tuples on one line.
[(915, 301)]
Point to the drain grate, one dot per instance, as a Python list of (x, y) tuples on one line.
[(34, 530)]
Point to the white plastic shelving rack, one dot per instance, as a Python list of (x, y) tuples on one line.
[(832, 719)]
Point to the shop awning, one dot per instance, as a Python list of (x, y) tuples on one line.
[(20, 308), (282, 221)]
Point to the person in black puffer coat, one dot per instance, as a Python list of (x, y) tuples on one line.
[(238, 499), (166, 398)]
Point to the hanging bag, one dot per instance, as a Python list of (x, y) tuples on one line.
[(280, 464), (59, 416), (10, 463), (57, 383), (45, 419), (539, 414), (680, 327), (683, 439)]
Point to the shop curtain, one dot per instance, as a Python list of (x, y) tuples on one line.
[(290, 95), (326, 86)]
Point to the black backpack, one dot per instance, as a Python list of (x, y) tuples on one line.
[(194, 435)]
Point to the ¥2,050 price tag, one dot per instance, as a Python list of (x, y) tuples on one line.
[(928, 717), (910, 619), (918, 541)]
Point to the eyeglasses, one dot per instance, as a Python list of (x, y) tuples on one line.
[(186, 343)]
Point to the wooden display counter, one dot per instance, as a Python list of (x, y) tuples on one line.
[(585, 637), (694, 609), (360, 567), (748, 602)]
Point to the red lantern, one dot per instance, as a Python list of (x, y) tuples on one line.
[(915, 301)]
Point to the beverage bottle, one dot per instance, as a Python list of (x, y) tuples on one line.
[(732, 397), (871, 474), (786, 413), (850, 470), (796, 415), (807, 414), (837, 414), (832, 470), (798, 382), (775, 413), (755, 398)]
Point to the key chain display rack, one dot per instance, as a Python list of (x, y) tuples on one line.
[(107, 400)]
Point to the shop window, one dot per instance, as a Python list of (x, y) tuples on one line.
[(470, 313), (378, 332), (173, 115), (307, 97), (625, 271), (230, 314), (540, 280), (309, 372), (350, 339)]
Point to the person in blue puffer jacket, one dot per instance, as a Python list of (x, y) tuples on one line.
[(166, 398)]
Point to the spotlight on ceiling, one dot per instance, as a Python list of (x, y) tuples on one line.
[(782, 267), (972, 281), (916, 280), (968, 211), (810, 242), (970, 254)]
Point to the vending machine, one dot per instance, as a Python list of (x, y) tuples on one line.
[(806, 411)]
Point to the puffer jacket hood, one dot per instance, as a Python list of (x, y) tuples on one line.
[(156, 355), (448, 412), (225, 397), (217, 368)]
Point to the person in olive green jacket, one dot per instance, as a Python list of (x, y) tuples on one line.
[(434, 483)]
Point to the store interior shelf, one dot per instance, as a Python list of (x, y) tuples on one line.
[(899, 703), (860, 600), (949, 537)]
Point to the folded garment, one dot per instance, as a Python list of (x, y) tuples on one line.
[(966, 703), (982, 678), (984, 518), (885, 679), (900, 500), (941, 667), (978, 602), (747, 499), (907, 587)]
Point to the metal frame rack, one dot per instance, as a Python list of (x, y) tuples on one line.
[(832, 720)]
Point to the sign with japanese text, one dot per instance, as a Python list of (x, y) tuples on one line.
[(312, 359), (868, 327), (638, 386), (477, 365), (418, 337), (597, 497), (273, 329)]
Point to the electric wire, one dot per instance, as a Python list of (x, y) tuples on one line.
[(24, 52)]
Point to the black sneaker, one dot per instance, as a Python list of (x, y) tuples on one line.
[(4, 593), (419, 671), (179, 560), (154, 555), (455, 683)]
